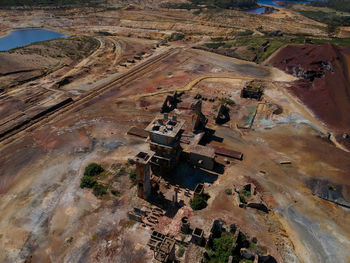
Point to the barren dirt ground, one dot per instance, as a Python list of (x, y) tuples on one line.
[(47, 217)]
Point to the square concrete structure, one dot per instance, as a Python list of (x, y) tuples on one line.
[(143, 177), (164, 130), (197, 236), (165, 134), (202, 156)]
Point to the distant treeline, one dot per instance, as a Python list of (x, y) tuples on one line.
[(341, 5), (235, 3), (225, 4), (58, 3)]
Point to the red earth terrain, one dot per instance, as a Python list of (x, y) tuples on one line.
[(324, 84)]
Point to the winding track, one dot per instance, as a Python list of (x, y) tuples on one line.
[(130, 75)]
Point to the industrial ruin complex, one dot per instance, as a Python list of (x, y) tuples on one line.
[(175, 131), (174, 142)]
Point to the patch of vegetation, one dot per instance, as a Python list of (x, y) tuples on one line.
[(228, 191), (132, 176), (176, 36), (227, 101), (247, 32), (222, 248), (257, 249), (332, 19), (115, 193), (261, 47), (246, 193), (214, 45), (234, 4), (55, 3), (99, 189), (198, 96), (112, 8), (213, 4), (180, 252), (340, 5), (242, 199), (94, 238), (199, 202), (87, 182), (93, 169)]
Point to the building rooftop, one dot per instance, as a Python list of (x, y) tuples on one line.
[(163, 125), (206, 151), (143, 157)]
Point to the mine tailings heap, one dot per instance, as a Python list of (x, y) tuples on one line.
[(324, 83)]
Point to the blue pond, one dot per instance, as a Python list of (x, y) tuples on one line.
[(22, 37), (261, 10)]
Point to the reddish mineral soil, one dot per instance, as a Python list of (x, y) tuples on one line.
[(324, 84)]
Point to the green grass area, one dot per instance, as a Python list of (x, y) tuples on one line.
[(332, 19), (340, 5), (264, 46), (213, 4), (56, 3)]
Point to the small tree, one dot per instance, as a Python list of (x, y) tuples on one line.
[(99, 190), (223, 247), (228, 191), (87, 181), (198, 202), (93, 169)]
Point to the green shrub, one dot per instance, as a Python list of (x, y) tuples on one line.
[(132, 176), (227, 101), (198, 202), (242, 199), (198, 96), (93, 169), (257, 249), (115, 192), (99, 189), (228, 191), (246, 193), (87, 181), (214, 45), (176, 36), (223, 247), (180, 252)]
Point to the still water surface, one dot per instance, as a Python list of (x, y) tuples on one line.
[(22, 37), (261, 10)]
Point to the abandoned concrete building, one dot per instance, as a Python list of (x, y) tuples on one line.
[(167, 147), (201, 156), (163, 247), (253, 91), (143, 177), (165, 134)]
